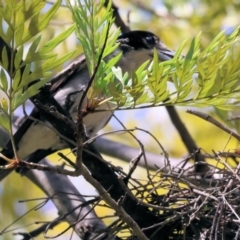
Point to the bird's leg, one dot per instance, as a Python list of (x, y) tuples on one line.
[(13, 163)]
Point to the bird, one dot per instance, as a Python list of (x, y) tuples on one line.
[(37, 139)]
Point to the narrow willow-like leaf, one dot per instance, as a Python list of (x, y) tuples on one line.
[(18, 57), (57, 40), (37, 57), (207, 86), (7, 13), (19, 98), (180, 49), (8, 35), (59, 61), (32, 49), (155, 75), (37, 24), (185, 92), (38, 74), (16, 80), (5, 121), (113, 61), (34, 8), (215, 42), (144, 98), (19, 17), (19, 34), (3, 80), (5, 62), (25, 77)]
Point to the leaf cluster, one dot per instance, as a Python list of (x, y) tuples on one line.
[(93, 24), (208, 77), (25, 66)]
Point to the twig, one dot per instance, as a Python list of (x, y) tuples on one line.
[(141, 202), (214, 122), (119, 209), (118, 20), (80, 126)]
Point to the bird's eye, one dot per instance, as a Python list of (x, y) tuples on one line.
[(150, 40)]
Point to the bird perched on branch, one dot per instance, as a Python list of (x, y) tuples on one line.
[(35, 140)]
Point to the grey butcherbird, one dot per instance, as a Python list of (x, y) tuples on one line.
[(67, 87)]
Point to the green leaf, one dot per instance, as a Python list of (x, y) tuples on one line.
[(19, 34), (57, 40), (18, 57), (19, 98), (33, 9), (25, 77), (58, 62), (16, 80), (4, 121), (5, 62), (7, 13), (32, 49), (3, 80), (37, 25)]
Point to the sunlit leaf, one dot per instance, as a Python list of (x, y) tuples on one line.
[(5, 62), (57, 40), (3, 80), (37, 23), (4, 120), (18, 57)]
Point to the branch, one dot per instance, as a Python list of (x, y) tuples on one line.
[(118, 20), (214, 122), (126, 153), (63, 190), (65, 198), (120, 212)]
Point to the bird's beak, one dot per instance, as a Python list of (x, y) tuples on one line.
[(165, 54)]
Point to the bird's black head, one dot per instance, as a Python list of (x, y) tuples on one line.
[(144, 41), (136, 40), (138, 47)]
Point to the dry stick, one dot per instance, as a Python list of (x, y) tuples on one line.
[(102, 192), (153, 206), (80, 127), (134, 162), (142, 153), (214, 122), (118, 208)]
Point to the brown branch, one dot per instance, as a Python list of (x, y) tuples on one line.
[(214, 122), (114, 205), (118, 20)]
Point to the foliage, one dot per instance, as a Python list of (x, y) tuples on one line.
[(93, 25), (214, 72), (19, 81)]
